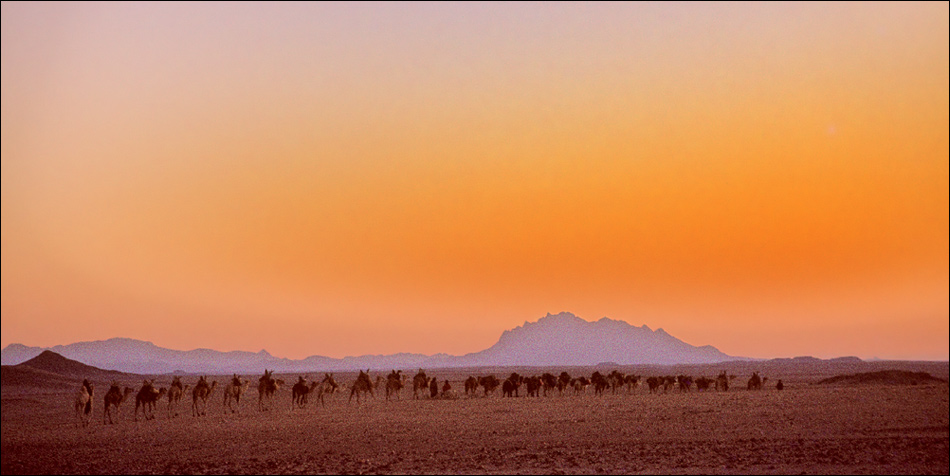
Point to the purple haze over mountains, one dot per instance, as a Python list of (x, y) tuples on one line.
[(556, 339)]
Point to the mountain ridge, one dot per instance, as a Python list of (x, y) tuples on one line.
[(555, 339)]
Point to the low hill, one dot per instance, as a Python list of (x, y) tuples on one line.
[(50, 371), (891, 377)]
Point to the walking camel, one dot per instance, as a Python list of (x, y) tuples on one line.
[(146, 398), (419, 384), (267, 386), (302, 392), (113, 399), (326, 387), (393, 384), (361, 385), (755, 382), (84, 403), (175, 392), (471, 385), (299, 392), (200, 395), (233, 391)]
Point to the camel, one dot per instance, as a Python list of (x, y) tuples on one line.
[(267, 385), (471, 385), (233, 391), (668, 383), (722, 382), (703, 383), (685, 383), (654, 384), (175, 391), (433, 387), (301, 392), (146, 398), (549, 383), (114, 398), (200, 395), (580, 385), (615, 378), (533, 384), (563, 382), (393, 384), (419, 382), (599, 382), (511, 385), (361, 385), (631, 381), (756, 382), (84, 403), (326, 386), (489, 383)]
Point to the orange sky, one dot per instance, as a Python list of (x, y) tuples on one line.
[(771, 179)]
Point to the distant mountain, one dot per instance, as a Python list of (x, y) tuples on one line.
[(141, 357), (136, 356), (565, 339), (14, 354), (556, 339)]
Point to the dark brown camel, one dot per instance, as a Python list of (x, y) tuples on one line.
[(114, 398), (267, 386), (146, 398), (433, 388), (510, 387), (394, 384), (471, 385), (362, 385), (175, 392), (420, 383), (299, 392), (489, 383), (200, 395)]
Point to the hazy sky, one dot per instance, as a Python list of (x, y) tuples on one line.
[(343, 179)]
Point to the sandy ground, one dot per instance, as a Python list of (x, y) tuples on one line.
[(805, 429)]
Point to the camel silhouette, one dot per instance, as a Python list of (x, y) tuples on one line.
[(83, 403), (113, 399), (233, 391)]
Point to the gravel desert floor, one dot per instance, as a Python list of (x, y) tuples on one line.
[(804, 429)]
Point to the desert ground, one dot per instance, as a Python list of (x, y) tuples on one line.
[(807, 428)]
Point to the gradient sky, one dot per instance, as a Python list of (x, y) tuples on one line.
[(344, 179)]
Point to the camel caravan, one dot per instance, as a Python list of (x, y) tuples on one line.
[(365, 387)]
